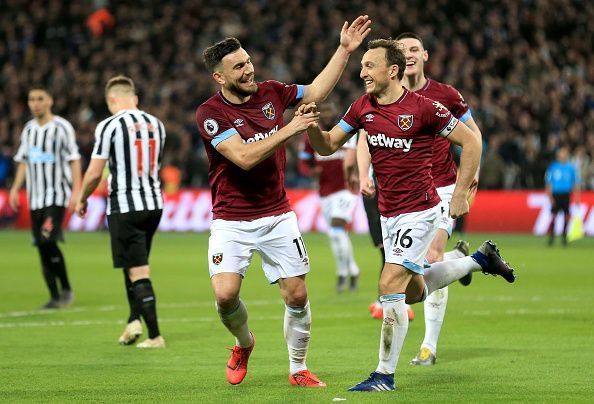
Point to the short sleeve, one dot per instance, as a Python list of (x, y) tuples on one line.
[(289, 94), (350, 121), (22, 153), (213, 126), (70, 146), (457, 105), (437, 118), (102, 145)]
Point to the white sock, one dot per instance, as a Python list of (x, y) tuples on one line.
[(394, 329), (343, 252), (452, 255), (441, 274), (297, 334), (236, 323), (435, 307)]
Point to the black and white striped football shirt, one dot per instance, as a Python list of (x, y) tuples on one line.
[(47, 151), (132, 141)]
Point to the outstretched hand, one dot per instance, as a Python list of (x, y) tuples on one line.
[(352, 36), (305, 116)]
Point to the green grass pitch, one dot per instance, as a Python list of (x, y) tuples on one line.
[(532, 341)]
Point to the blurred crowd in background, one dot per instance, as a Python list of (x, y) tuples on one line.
[(525, 68)]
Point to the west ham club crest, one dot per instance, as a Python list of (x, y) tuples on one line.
[(405, 122), (269, 111), (217, 258)]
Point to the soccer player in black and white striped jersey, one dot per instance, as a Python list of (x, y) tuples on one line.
[(48, 159), (131, 141)]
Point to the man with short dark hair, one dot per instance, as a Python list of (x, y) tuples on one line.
[(244, 133), (48, 158), (400, 128), (132, 141)]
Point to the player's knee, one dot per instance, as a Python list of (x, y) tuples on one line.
[(226, 300), (296, 297)]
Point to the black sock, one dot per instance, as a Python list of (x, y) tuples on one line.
[(145, 298), (57, 264), (48, 274), (134, 307)]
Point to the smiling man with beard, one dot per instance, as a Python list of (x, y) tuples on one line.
[(244, 134)]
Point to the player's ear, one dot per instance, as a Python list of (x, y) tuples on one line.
[(218, 77), (394, 71), (136, 101), (425, 56)]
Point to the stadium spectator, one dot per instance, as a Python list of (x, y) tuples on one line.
[(49, 160), (526, 67)]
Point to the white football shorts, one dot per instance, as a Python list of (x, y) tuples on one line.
[(339, 205), (277, 239), (407, 237), (446, 222)]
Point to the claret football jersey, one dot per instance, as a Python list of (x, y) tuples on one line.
[(444, 167), (400, 137), (238, 194)]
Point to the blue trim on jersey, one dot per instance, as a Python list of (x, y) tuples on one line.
[(299, 96), (411, 266), (223, 136), (303, 155), (465, 117), (392, 298), (300, 91), (345, 126)]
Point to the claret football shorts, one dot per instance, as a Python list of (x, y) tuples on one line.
[(277, 239), (407, 237), (445, 221), (339, 205)]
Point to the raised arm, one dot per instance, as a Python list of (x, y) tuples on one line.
[(469, 163), (350, 39)]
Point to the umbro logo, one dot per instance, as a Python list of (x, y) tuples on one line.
[(369, 117), (397, 251), (238, 122)]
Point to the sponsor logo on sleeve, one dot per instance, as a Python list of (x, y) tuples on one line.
[(269, 111), (405, 122), (211, 126), (442, 111)]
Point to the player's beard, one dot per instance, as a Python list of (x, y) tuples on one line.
[(243, 92)]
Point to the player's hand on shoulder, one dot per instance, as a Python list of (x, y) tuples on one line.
[(459, 206), (367, 187), (352, 35)]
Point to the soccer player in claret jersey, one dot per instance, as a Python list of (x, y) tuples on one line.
[(244, 133), (401, 127), (444, 176), (336, 201)]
